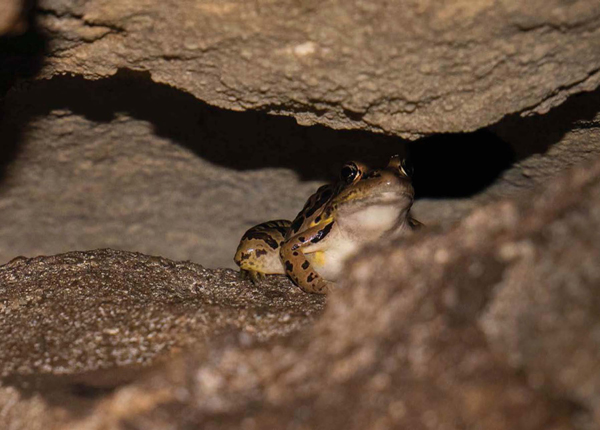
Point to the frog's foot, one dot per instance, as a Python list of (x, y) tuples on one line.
[(320, 287), (253, 276), (313, 285)]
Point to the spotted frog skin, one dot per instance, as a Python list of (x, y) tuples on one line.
[(363, 206)]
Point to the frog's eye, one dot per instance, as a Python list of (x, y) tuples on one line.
[(350, 172), (406, 167), (402, 165)]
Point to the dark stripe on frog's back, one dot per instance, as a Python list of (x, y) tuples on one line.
[(282, 226), (316, 195), (295, 227), (265, 237), (322, 199), (312, 209)]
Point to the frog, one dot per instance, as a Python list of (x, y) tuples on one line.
[(361, 207)]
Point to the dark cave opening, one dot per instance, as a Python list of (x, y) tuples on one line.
[(458, 165), (21, 57)]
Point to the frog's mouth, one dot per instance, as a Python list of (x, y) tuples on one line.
[(393, 196), (398, 199), (387, 197)]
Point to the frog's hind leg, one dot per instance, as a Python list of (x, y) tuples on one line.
[(258, 251), (296, 264)]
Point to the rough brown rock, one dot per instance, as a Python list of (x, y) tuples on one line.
[(85, 311), (75, 326), (405, 68)]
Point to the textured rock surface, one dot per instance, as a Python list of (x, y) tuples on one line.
[(11, 21), (526, 271), (75, 326), (80, 312), (447, 331), (405, 68)]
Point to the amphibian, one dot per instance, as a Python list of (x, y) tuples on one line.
[(363, 206)]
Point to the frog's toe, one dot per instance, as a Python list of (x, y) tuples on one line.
[(328, 287), (257, 277), (319, 286), (252, 276), (324, 287)]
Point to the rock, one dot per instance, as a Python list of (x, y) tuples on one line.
[(487, 319), (404, 68), (491, 324), (85, 311), (522, 274), (73, 327), (11, 17)]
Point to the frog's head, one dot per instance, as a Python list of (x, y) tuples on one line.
[(374, 199)]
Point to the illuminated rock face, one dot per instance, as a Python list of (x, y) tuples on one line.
[(114, 133), (406, 68)]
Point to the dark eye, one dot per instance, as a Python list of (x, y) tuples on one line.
[(406, 167), (350, 172)]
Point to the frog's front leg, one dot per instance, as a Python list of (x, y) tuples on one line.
[(258, 251), (296, 264)]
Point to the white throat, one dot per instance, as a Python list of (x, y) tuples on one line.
[(373, 219)]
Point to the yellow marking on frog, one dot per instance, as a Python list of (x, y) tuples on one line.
[(321, 221), (318, 258)]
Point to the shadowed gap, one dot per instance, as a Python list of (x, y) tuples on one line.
[(75, 392), (256, 140), (21, 57), (458, 165)]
